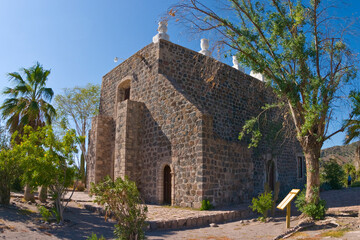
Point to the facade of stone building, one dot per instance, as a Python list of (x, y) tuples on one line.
[(169, 119)]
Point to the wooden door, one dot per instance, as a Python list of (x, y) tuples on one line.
[(167, 185)]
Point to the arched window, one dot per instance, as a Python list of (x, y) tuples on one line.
[(123, 90)]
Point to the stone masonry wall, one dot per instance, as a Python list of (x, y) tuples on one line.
[(128, 140), (231, 172), (227, 98), (101, 146), (193, 108), (170, 127)]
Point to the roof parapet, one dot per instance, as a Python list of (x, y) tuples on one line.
[(162, 29), (258, 76), (204, 44), (236, 64)]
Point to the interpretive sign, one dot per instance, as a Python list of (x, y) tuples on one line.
[(287, 203)]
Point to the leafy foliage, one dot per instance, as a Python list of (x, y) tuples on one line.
[(122, 199), (314, 210), (206, 205), (355, 184), (45, 213), (46, 160), (76, 106), (353, 130), (95, 237), (28, 102), (9, 172), (333, 174), (349, 169), (262, 205), (9, 166), (301, 52)]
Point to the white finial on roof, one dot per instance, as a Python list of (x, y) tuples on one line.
[(236, 64), (204, 44), (162, 29), (257, 75)]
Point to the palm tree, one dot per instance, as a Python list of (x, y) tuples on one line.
[(28, 103)]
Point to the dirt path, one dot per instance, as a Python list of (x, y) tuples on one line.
[(17, 223), (342, 220), (233, 230)]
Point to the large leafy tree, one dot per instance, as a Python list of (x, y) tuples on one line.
[(8, 166), (47, 161), (76, 106), (301, 51), (28, 102)]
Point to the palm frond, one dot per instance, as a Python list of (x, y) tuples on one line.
[(16, 78), (46, 93), (27, 101)]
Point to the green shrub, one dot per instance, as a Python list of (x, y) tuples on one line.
[(333, 174), (355, 184), (56, 214), (122, 200), (45, 213), (262, 204), (94, 237), (17, 185), (206, 205), (325, 187), (315, 211)]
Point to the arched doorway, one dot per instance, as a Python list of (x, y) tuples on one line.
[(167, 185), (270, 172)]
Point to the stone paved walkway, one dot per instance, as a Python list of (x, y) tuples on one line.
[(166, 217)]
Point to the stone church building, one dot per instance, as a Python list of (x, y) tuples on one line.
[(169, 119)]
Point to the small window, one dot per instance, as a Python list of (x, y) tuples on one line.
[(126, 94), (300, 166), (123, 91)]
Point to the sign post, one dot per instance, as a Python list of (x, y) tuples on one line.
[(286, 202)]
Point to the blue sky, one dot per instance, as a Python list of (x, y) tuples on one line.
[(79, 39)]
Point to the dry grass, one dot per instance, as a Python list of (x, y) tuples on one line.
[(7, 227), (43, 227), (310, 238), (299, 234), (26, 211), (211, 238), (335, 233)]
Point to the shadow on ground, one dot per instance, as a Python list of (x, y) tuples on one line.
[(346, 197), (79, 223)]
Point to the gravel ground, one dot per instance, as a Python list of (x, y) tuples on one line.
[(342, 218)]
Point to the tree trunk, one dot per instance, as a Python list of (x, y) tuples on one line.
[(82, 167), (59, 208), (29, 195), (43, 194), (312, 157), (4, 191)]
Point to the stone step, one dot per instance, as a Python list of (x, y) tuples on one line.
[(189, 221)]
